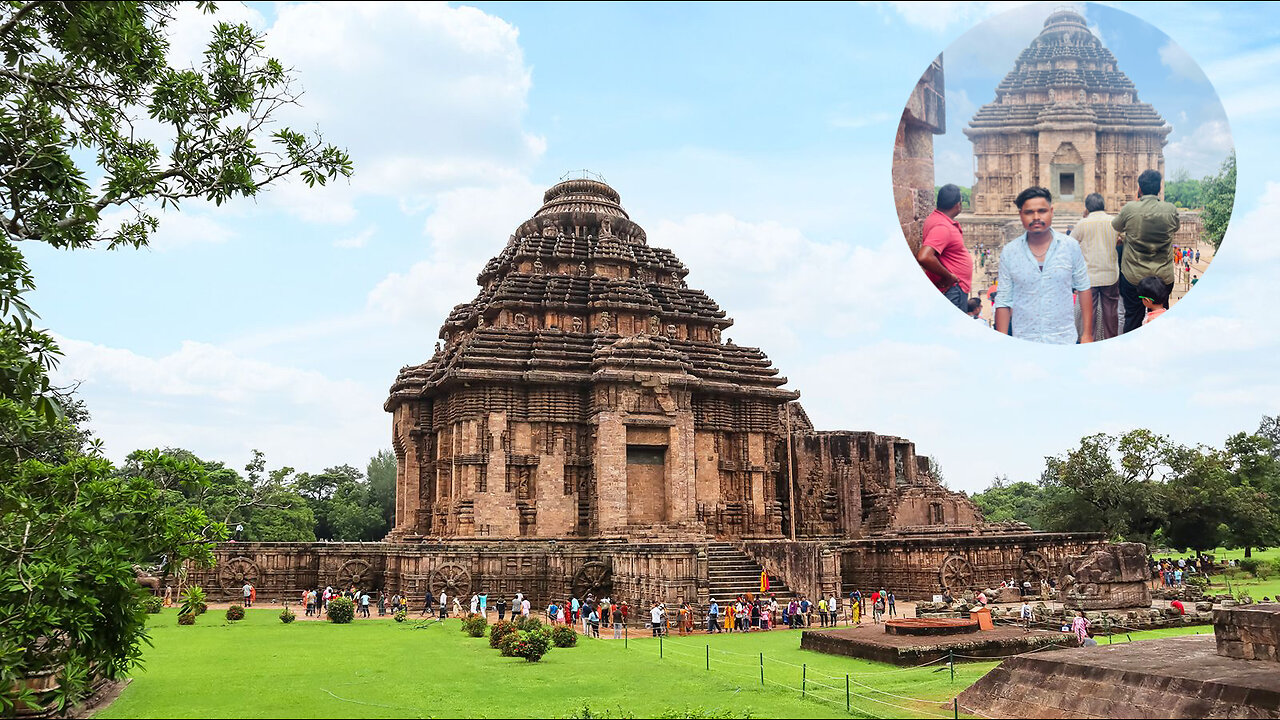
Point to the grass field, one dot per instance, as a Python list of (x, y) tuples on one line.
[(1256, 588), (260, 667)]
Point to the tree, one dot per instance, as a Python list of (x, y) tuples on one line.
[(1111, 483), (70, 536), (1253, 475), (381, 472), (1004, 501), (76, 77), (344, 504), (1184, 191), (1219, 200)]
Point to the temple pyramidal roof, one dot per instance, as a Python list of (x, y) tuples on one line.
[(552, 304), (1065, 75)]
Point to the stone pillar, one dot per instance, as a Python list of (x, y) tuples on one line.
[(611, 471), (681, 482)]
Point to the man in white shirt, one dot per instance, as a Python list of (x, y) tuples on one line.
[(1098, 242)]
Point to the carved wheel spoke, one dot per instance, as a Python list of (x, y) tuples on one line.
[(956, 574), (352, 572), (594, 577), (1034, 566), (452, 579), (234, 573)]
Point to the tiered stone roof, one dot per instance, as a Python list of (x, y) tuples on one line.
[(1069, 62), (576, 291)]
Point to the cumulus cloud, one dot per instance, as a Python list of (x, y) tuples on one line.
[(356, 241), (1181, 65), (940, 17), (1201, 151), (220, 404)]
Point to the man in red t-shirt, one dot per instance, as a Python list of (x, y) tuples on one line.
[(942, 252)]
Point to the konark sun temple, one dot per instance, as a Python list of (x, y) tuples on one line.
[(585, 425)]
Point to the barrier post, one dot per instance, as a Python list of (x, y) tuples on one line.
[(846, 694), (659, 647), (708, 657), (761, 669), (951, 660), (804, 678), (955, 708)]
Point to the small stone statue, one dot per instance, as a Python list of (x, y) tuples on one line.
[(582, 269), (606, 323), (577, 324), (654, 324), (671, 331), (537, 266), (715, 334), (520, 321)]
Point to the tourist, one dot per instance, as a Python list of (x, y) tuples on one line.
[(822, 612), (877, 609), (444, 604), (713, 617), (1147, 225), (1026, 588), (457, 606), (833, 607), (427, 602), (1177, 605), (975, 308), (1154, 295), (309, 601), (475, 604), (501, 605), (1038, 273), (553, 611), (942, 254), (1025, 615), (617, 622), (574, 606), (382, 603), (982, 598), (1080, 626), (655, 619), (805, 608), (892, 609), (1098, 241), (484, 604), (731, 616), (755, 614), (682, 617), (253, 595), (364, 604), (247, 590), (855, 614)]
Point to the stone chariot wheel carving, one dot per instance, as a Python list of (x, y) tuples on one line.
[(452, 579), (594, 577), (353, 572), (234, 573), (956, 574), (1034, 567)]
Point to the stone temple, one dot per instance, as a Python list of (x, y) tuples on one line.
[(586, 424)]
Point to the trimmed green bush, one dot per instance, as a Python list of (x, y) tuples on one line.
[(234, 613), (401, 616), (507, 645), (1251, 565), (1199, 582), (526, 624), (474, 625), (341, 610), (152, 604), (287, 616), (498, 631), (531, 644), (187, 619), (563, 636)]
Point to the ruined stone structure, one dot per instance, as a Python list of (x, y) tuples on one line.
[(1065, 118), (1110, 576), (585, 425), (1194, 676), (913, 185)]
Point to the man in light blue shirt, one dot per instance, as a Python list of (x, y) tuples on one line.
[(1039, 271)]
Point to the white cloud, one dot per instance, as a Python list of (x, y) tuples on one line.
[(1252, 235), (220, 404), (1181, 65), (1201, 151), (468, 227), (177, 229), (940, 17), (356, 241)]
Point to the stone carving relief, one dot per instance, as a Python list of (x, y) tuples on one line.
[(521, 321), (234, 573), (671, 331), (606, 323), (577, 324), (655, 324)]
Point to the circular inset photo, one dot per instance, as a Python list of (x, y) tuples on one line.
[(1064, 174)]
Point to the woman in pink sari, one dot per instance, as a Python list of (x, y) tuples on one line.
[(1080, 626)]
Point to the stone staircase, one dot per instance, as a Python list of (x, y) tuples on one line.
[(731, 573), (1064, 220)]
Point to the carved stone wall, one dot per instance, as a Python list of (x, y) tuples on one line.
[(1115, 575), (913, 180)]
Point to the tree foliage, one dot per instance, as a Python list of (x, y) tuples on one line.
[(1141, 486), (1219, 201), (1184, 191)]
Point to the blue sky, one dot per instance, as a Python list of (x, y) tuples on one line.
[(754, 141)]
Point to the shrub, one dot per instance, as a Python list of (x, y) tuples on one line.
[(152, 604), (1198, 582), (526, 624), (563, 636), (193, 604), (234, 613), (530, 644), (474, 625), (287, 616), (498, 631), (341, 610), (401, 616), (186, 619), (1250, 565), (507, 645)]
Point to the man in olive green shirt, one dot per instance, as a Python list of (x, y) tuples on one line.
[(1147, 226)]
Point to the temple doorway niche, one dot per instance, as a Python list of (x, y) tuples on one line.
[(647, 475), (1066, 173)]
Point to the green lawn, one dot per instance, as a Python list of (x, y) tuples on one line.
[(1243, 583), (262, 668)]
